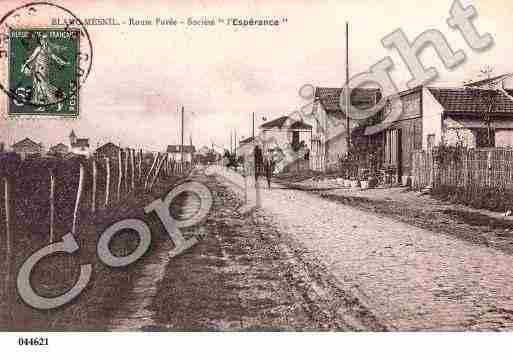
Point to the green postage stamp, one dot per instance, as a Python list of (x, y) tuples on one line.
[(43, 72)]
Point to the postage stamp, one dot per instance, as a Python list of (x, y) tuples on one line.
[(43, 71), (43, 64)]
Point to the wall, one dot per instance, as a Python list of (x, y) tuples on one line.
[(431, 118), (504, 138)]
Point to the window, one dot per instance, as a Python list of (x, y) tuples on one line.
[(483, 139)]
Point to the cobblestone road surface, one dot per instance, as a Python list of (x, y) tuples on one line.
[(410, 278)]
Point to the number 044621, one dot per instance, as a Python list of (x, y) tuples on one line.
[(33, 341)]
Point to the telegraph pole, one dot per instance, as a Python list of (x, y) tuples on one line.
[(253, 133), (348, 98), (181, 147)]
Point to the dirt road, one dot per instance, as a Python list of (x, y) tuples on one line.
[(242, 276)]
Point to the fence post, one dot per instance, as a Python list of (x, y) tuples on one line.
[(8, 252), (127, 189), (132, 164), (140, 165), (107, 180), (157, 171), (52, 205), (151, 169), (79, 197), (93, 200), (120, 168)]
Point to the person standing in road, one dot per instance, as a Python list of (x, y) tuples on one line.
[(269, 169)]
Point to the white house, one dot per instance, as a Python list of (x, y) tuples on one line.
[(175, 152)]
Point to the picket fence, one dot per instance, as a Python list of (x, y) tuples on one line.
[(486, 168)]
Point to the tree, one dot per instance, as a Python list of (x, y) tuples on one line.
[(486, 94)]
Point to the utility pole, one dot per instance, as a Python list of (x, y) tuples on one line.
[(347, 88), (181, 147), (235, 145), (253, 134)]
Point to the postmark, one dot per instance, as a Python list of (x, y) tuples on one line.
[(43, 65)]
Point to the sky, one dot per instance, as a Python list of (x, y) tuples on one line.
[(141, 75)]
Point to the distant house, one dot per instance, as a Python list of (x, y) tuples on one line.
[(27, 148), (204, 150), (79, 146), (246, 147), (285, 136), (246, 141), (175, 152), (108, 150), (284, 131), (434, 115), (59, 149)]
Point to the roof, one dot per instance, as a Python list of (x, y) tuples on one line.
[(280, 123), (509, 92), (246, 140), (107, 146), (177, 149), (362, 98), (81, 142), (300, 125), (277, 122), (491, 81), (26, 142), (471, 100)]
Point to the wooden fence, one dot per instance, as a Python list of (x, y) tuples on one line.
[(464, 168), (48, 197)]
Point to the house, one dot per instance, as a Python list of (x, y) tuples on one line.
[(79, 146), (108, 149), (175, 152), (59, 150), (330, 135), (246, 141), (434, 115), (27, 148), (285, 136), (206, 155), (203, 151), (285, 131), (245, 147)]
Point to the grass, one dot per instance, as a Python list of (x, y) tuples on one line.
[(55, 274)]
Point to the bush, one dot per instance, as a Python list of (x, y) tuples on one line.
[(494, 199)]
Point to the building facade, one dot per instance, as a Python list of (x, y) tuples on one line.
[(175, 153), (330, 132), (27, 148), (467, 116), (79, 146), (59, 149)]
